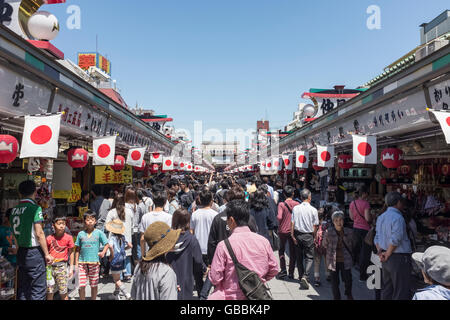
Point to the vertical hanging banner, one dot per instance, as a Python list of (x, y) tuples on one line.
[(104, 151), (444, 120), (288, 162), (365, 149), (302, 159), (136, 157), (167, 164), (156, 158), (325, 156), (40, 137)]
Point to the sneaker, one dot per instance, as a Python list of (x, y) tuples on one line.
[(291, 276), (127, 296), (317, 283), (304, 284)]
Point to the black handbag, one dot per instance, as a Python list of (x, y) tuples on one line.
[(275, 240), (250, 283)]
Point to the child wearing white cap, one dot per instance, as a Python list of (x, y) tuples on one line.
[(435, 266)]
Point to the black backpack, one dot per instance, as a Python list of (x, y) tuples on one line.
[(250, 283)]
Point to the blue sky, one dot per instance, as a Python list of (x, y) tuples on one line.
[(228, 62)]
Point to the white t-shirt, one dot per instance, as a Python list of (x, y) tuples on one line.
[(201, 221), (152, 217), (305, 217), (148, 203)]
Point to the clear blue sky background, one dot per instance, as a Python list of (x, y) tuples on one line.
[(228, 61)]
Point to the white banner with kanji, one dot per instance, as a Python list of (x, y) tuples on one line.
[(40, 137), (365, 149)]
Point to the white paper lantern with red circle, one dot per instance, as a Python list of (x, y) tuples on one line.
[(8, 148), (154, 168), (119, 163), (77, 158), (404, 170), (345, 161), (142, 168), (445, 169), (316, 167), (392, 158)]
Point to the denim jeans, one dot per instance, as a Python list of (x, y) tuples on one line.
[(127, 272)]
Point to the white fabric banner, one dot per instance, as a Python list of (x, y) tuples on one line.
[(167, 163), (136, 157), (302, 159), (325, 156), (104, 151), (288, 161), (40, 137), (444, 120), (156, 158), (365, 149)]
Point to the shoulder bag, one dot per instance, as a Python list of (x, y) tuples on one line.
[(345, 245), (250, 283)]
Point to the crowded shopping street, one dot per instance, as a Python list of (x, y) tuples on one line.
[(347, 200)]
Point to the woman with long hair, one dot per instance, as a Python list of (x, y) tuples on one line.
[(260, 210)]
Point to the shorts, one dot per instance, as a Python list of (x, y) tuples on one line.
[(117, 269), (91, 271), (60, 275)]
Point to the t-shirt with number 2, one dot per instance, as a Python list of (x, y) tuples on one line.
[(22, 219)]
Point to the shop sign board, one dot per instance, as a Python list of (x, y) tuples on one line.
[(440, 95), (79, 118), (87, 60), (126, 135), (75, 194), (20, 95), (403, 114), (106, 175)]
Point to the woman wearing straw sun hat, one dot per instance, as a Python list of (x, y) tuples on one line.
[(154, 279)]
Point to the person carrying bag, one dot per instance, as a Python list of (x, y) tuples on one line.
[(250, 283)]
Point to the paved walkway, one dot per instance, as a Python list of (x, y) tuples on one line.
[(281, 290)]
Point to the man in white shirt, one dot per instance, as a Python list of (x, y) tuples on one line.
[(304, 225), (201, 221), (159, 199)]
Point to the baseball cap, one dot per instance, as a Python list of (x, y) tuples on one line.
[(435, 261)]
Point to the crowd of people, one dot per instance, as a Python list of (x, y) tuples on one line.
[(174, 237)]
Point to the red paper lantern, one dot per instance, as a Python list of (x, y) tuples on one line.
[(316, 167), (154, 169), (301, 172), (392, 158), (345, 161), (445, 169), (77, 158), (119, 163), (8, 148), (404, 170), (383, 181), (141, 168)]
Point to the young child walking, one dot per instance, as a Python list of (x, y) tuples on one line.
[(118, 244), (60, 247), (87, 255)]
